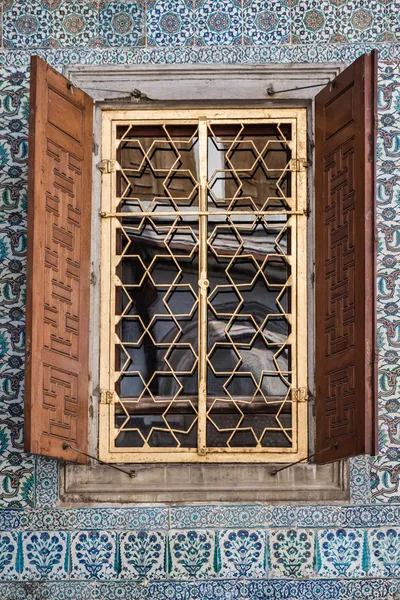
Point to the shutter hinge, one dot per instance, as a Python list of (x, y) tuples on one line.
[(300, 394), (106, 166), (298, 165), (106, 396)]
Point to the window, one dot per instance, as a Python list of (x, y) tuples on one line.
[(203, 275), (205, 223)]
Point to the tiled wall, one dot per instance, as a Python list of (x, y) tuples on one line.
[(185, 552)]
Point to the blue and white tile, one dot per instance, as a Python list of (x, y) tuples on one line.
[(26, 24), (46, 482), (45, 555), (384, 547), (219, 23), (8, 556), (93, 555), (75, 23), (122, 23), (360, 479), (340, 553), (194, 516), (266, 22), (142, 554), (243, 553), (169, 23), (313, 22), (291, 553), (361, 20), (319, 516), (190, 553)]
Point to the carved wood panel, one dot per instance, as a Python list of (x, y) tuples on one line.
[(56, 396), (345, 232)]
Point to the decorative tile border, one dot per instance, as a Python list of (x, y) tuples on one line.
[(184, 555)]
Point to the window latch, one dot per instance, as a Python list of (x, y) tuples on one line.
[(106, 166), (106, 396)]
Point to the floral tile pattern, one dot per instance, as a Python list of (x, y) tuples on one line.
[(26, 24), (190, 553), (291, 553), (243, 553), (341, 553), (93, 555), (45, 555), (142, 554), (385, 552), (219, 22), (170, 23), (8, 555), (74, 23), (121, 23), (266, 22)]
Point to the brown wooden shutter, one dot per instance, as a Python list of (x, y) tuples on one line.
[(58, 277), (346, 399)]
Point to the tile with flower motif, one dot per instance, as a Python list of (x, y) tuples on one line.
[(384, 546), (75, 23), (169, 23), (142, 554), (340, 553), (45, 555), (313, 21), (219, 22), (93, 555), (266, 22), (26, 24), (243, 553), (8, 556), (360, 20), (291, 553), (191, 553), (121, 23)]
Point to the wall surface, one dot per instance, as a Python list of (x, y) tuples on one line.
[(293, 551)]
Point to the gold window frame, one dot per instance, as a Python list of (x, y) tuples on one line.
[(108, 452)]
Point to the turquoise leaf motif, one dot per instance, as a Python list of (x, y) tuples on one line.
[(193, 550), (243, 549), (386, 549), (44, 550), (93, 551)]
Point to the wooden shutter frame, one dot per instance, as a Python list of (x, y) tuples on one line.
[(36, 440), (362, 74)]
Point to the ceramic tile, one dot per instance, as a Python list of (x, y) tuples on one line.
[(93, 555), (74, 23), (190, 553), (319, 516), (122, 23), (384, 548), (142, 554), (313, 21), (242, 553), (46, 482), (360, 476), (8, 555), (26, 25), (169, 23), (45, 555), (340, 553), (219, 22), (192, 517), (291, 553), (266, 22)]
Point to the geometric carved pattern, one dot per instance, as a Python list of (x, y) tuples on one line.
[(345, 257), (56, 397)]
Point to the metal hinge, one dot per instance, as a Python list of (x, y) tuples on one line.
[(106, 166), (300, 394), (106, 396), (298, 164)]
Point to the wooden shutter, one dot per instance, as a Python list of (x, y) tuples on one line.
[(345, 119), (58, 278)]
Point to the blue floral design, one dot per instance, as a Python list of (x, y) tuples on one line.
[(386, 550), (243, 550), (141, 550), (192, 550), (93, 551), (44, 551)]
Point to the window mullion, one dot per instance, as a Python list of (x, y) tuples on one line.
[(202, 289)]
